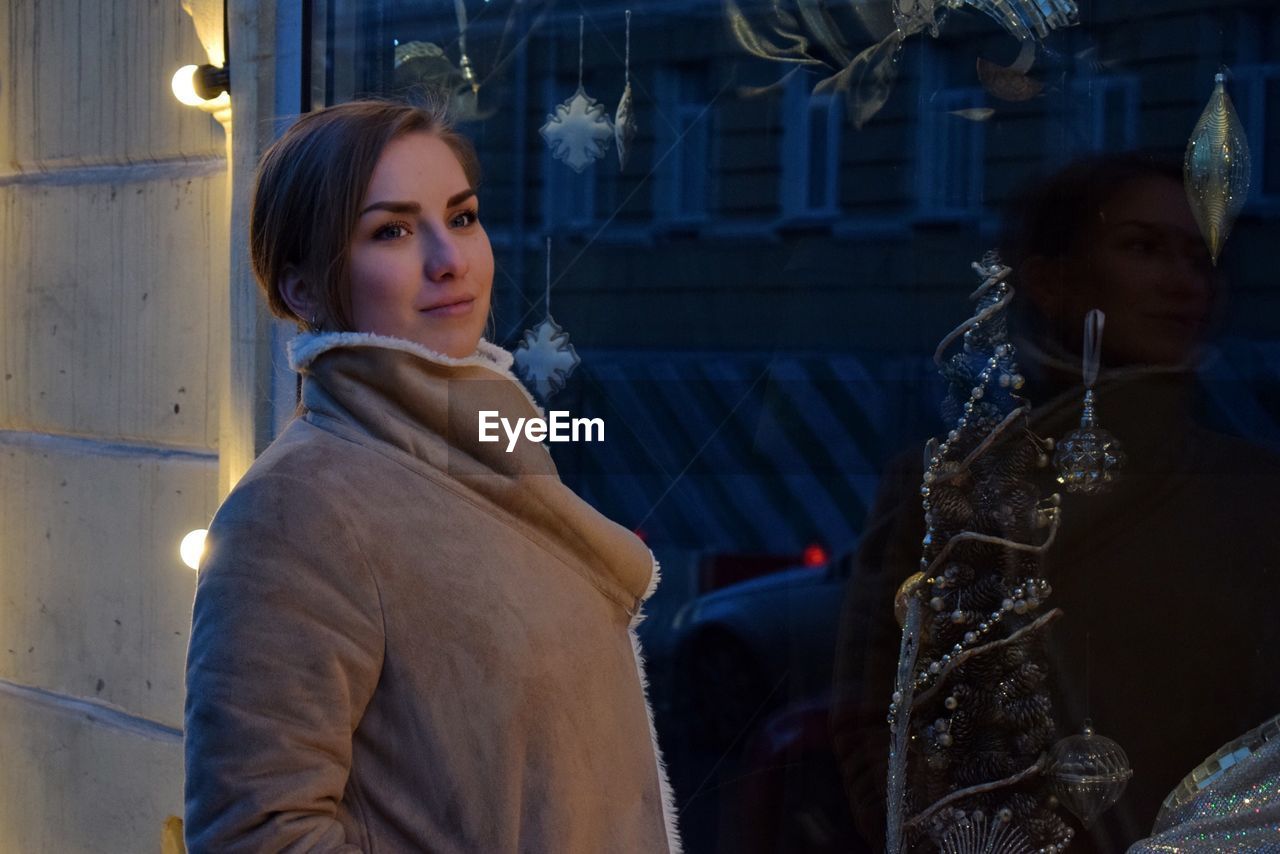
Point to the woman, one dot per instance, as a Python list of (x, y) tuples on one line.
[(405, 639)]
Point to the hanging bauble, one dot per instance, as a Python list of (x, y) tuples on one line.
[(1088, 773), (1089, 458), (464, 61), (624, 128), (1216, 168), (624, 123)]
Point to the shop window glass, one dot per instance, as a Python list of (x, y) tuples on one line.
[(756, 299)]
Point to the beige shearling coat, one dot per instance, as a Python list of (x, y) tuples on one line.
[(407, 640)]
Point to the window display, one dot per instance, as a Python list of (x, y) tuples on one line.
[(756, 296)]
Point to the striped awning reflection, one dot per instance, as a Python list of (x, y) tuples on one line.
[(768, 453), (760, 453)]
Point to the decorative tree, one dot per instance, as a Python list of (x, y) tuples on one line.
[(971, 720)]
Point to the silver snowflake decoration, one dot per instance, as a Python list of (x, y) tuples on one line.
[(578, 131), (545, 358)]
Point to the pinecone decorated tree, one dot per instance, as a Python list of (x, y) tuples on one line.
[(971, 718)]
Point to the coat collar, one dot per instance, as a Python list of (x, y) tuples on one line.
[(389, 393), (307, 346)]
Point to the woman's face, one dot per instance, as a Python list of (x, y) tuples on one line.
[(421, 265), (1145, 264)]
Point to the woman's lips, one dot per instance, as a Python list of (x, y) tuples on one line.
[(456, 309)]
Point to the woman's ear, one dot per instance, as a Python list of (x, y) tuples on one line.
[(296, 294)]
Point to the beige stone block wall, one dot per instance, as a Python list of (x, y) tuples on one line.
[(89, 786), (87, 82), (103, 603), (114, 240), (109, 306)]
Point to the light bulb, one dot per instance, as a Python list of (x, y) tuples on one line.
[(192, 548), (184, 86)]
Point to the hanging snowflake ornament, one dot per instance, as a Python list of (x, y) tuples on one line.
[(624, 126), (545, 358), (579, 130)]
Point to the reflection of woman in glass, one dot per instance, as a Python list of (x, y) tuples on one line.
[(406, 639), (1166, 643)]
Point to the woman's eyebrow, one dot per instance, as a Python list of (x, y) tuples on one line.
[(394, 207), (459, 198), (414, 207)]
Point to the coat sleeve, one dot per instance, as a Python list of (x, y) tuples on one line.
[(286, 649)]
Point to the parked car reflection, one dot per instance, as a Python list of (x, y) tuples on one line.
[(740, 680)]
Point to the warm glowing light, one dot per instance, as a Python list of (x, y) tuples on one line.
[(815, 555), (192, 548), (184, 86)]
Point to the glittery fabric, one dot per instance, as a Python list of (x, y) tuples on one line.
[(1240, 811)]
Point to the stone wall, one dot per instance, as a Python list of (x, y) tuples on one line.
[(114, 239)]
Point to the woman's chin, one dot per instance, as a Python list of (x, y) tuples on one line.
[(456, 346), (447, 339)]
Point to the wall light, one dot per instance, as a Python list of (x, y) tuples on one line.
[(202, 85), (207, 86), (192, 548)]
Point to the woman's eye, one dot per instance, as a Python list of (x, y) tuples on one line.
[(465, 218), (392, 231)]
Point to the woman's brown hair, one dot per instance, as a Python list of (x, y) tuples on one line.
[(307, 194)]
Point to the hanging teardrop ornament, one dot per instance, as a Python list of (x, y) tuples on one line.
[(1088, 773), (624, 125), (1217, 168), (1089, 458), (464, 62), (579, 131), (545, 357)]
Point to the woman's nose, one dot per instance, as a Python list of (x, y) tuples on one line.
[(445, 257)]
